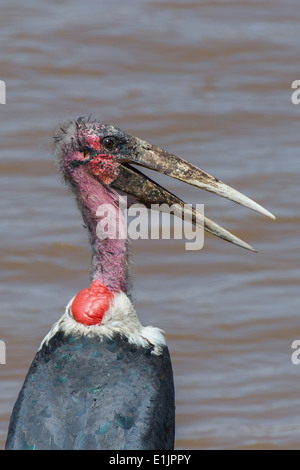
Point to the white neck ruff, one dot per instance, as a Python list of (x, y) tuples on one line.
[(121, 318)]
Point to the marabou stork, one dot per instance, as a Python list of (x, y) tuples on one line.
[(100, 380)]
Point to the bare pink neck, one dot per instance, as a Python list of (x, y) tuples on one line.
[(101, 214)]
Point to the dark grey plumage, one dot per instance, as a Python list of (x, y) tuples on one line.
[(133, 384)]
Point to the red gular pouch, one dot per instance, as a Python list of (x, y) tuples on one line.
[(91, 304)]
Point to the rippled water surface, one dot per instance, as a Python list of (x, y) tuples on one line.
[(210, 81)]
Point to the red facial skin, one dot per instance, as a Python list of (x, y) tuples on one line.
[(102, 166), (91, 304)]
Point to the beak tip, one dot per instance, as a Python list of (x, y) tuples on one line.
[(250, 248), (265, 212)]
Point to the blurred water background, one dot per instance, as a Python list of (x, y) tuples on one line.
[(211, 82)]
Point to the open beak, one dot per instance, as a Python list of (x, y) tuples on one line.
[(148, 192)]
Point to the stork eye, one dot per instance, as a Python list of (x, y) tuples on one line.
[(109, 142)]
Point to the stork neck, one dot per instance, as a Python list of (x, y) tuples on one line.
[(107, 230)]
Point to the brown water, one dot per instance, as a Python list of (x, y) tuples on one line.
[(210, 81)]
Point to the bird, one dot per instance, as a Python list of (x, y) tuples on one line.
[(100, 380)]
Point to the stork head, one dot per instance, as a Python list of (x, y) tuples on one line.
[(106, 154)]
